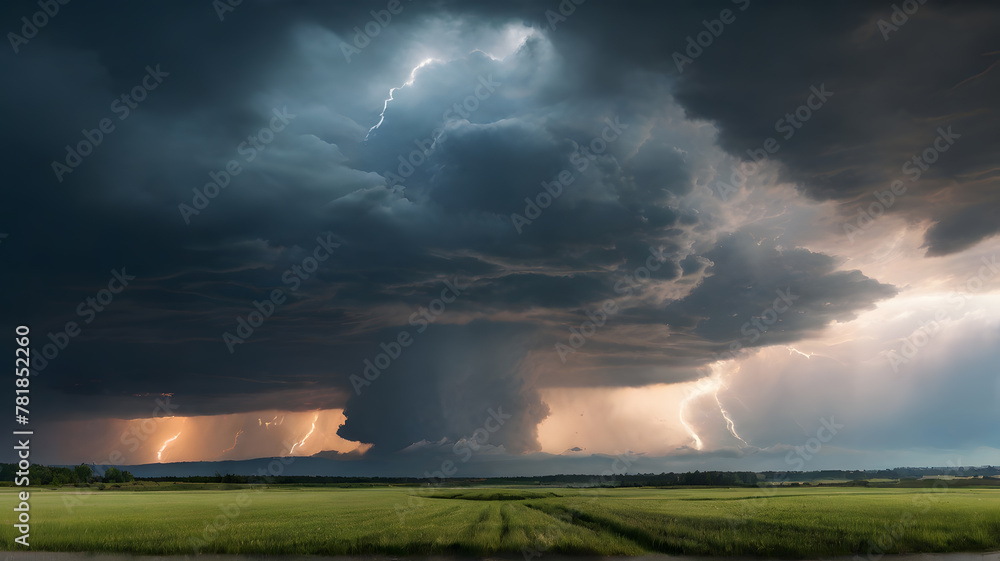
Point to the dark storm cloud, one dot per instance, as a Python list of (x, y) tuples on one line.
[(754, 294), (445, 385), (790, 292), (896, 78), (451, 218), (891, 96)]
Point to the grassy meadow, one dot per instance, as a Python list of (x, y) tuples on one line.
[(803, 522)]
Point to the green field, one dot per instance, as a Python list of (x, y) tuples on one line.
[(794, 522)]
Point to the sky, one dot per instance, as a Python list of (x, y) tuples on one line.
[(523, 237)]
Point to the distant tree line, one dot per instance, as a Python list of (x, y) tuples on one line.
[(900, 473), (84, 475), (718, 478), (79, 475), (695, 478)]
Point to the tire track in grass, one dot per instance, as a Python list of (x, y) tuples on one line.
[(684, 535), (596, 525), (776, 496), (477, 535), (504, 522)]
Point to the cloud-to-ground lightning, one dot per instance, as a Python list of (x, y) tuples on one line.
[(385, 106), (700, 389), (708, 385), (159, 453), (237, 439), (729, 422), (306, 437)]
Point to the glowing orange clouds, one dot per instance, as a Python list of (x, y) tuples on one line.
[(613, 420), (656, 419), (206, 438)]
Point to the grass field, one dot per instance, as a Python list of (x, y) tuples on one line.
[(792, 523)]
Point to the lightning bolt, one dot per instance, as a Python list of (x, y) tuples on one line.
[(159, 454), (701, 388), (237, 439), (413, 74), (694, 435), (729, 422), (709, 385), (794, 350), (306, 437)]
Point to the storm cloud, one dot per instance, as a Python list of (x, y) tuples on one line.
[(478, 179)]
